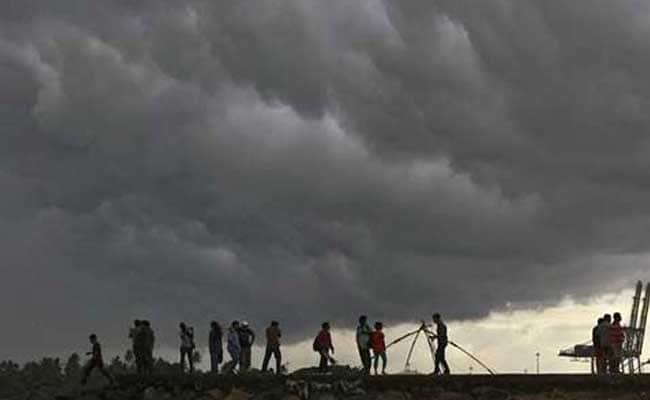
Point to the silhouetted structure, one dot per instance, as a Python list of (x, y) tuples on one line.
[(632, 347)]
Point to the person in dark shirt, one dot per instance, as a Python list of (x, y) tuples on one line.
[(246, 340), (273, 335), (441, 334), (96, 361), (216, 346), (187, 346), (598, 350), (148, 341), (137, 339)]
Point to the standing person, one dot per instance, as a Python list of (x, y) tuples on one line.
[(443, 340), (246, 340), (187, 346), (216, 346), (605, 344), (273, 335), (363, 342), (233, 347), (323, 345), (149, 340), (598, 350), (378, 344), (616, 339), (137, 345), (96, 361)]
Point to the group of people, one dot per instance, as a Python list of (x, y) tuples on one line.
[(143, 340), (240, 337), (239, 342), (371, 340), (608, 337)]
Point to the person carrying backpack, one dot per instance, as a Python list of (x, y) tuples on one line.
[(323, 346)]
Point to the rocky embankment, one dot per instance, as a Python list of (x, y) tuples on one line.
[(345, 386)]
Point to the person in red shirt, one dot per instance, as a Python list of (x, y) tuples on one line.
[(378, 344), (616, 339), (323, 345), (96, 361)]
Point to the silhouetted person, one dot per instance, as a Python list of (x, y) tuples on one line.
[(598, 350), (605, 344), (273, 335), (216, 346), (149, 340), (378, 345), (96, 361), (323, 345), (137, 345), (616, 339), (363, 342), (443, 341), (187, 346), (233, 346), (246, 340)]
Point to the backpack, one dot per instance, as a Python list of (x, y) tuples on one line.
[(316, 345)]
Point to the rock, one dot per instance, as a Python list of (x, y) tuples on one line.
[(216, 394), (320, 387), (489, 393), (237, 394), (150, 393), (394, 395), (299, 388), (325, 396), (452, 396)]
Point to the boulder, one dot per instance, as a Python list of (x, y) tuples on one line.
[(216, 394), (490, 393), (238, 394), (452, 396), (150, 393)]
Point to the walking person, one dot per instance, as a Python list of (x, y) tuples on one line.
[(216, 346), (148, 342), (598, 350), (187, 346), (443, 341), (604, 342), (363, 343), (234, 348), (378, 345), (323, 346), (96, 361), (246, 340), (273, 335), (616, 339)]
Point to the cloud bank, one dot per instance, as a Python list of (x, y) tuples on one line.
[(303, 161)]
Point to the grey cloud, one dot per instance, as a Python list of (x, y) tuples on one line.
[(306, 161)]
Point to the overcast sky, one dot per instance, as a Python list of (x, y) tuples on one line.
[(314, 160)]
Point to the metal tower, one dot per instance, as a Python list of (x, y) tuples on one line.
[(634, 336)]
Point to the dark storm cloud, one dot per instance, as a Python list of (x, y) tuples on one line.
[(309, 160)]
